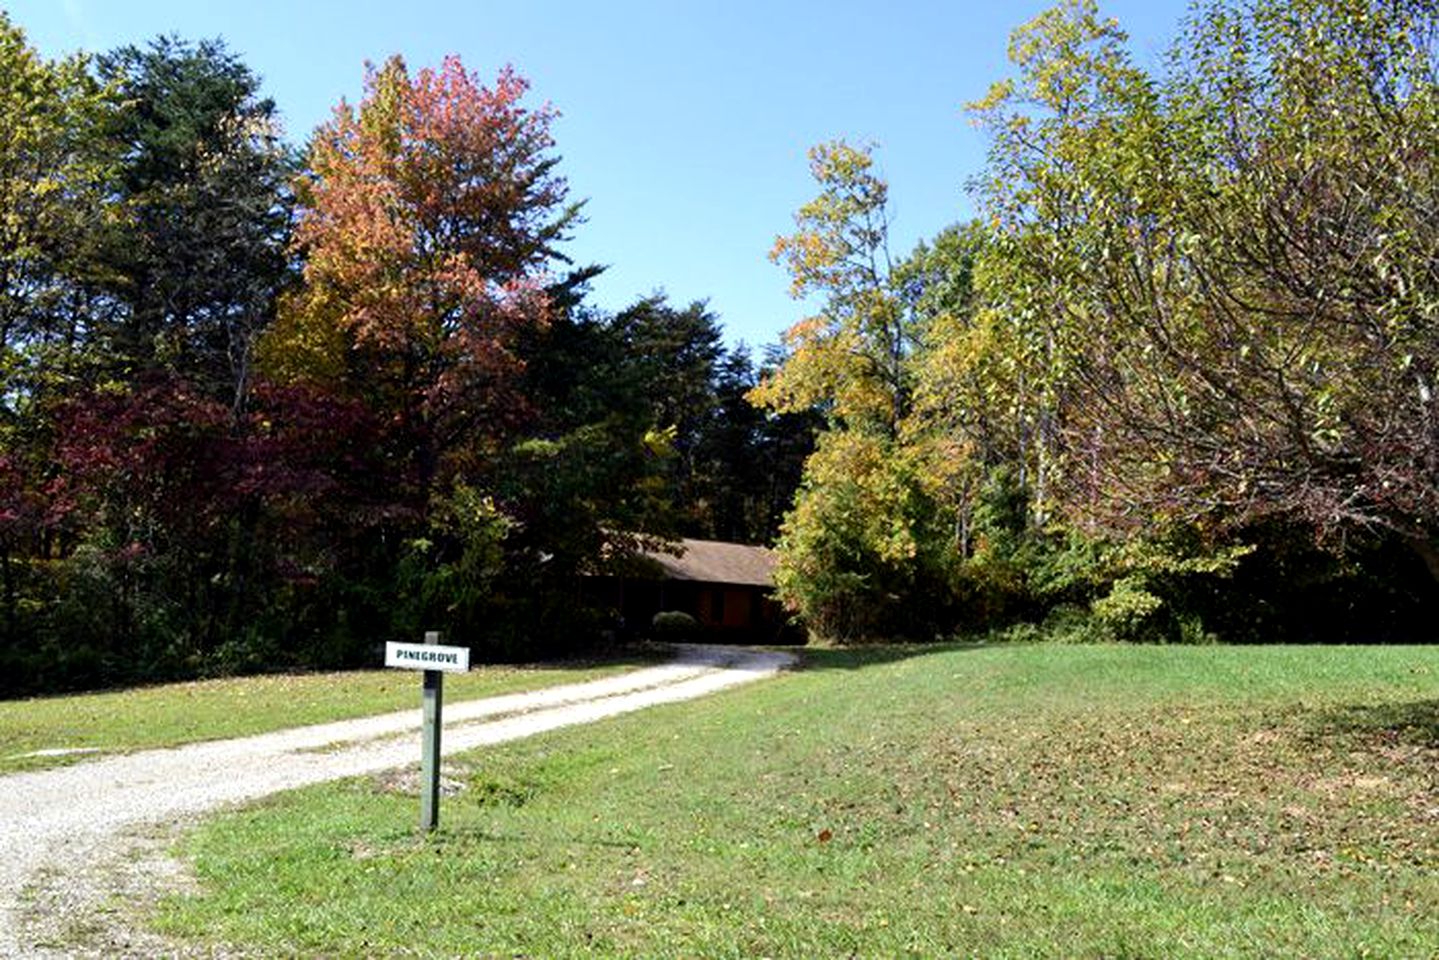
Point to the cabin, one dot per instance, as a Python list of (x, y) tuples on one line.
[(727, 587)]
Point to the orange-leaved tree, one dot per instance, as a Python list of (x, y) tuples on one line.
[(427, 220)]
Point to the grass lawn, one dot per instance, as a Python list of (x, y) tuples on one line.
[(175, 713), (992, 801)]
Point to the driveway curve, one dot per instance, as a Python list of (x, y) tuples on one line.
[(54, 822)]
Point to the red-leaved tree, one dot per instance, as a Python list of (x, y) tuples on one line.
[(427, 220)]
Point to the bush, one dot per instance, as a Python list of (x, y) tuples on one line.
[(1129, 611), (1072, 623), (674, 625)]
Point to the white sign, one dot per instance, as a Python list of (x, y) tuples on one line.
[(427, 656)]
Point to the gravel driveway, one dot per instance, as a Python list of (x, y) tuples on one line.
[(58, 826)]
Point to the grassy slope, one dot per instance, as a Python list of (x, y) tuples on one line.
[(1021, 801), (178, 713)]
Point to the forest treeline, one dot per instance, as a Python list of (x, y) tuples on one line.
[(270, 405), (1176, 383)]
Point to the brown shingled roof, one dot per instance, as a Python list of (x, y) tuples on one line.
[(714, 562)]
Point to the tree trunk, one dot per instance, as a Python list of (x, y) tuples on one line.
[(10, 620)]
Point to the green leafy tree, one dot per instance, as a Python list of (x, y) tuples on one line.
[(1225, 276), (857, 545), (1249, 277), (589, 484), (54, 173), (750, 460), (200, 253), (961, 427), (673, 361), (655, 381), (1307, 344), (1064, 108)]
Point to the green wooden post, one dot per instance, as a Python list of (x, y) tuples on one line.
[(434, 686)]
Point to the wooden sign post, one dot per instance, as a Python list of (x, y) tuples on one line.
[(435, 661), (432, 705)]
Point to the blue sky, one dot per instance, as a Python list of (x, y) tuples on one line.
[(684, 124)]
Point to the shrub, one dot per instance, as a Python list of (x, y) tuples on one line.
[(674, 625), (1129, 611)]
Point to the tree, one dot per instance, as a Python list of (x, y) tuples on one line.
[(1252, 274), (54, 167), (54, 170), (153, 497), (673, 356), (850, 358), (588, 484), (858, 542), (1313, 348), (1048, 127), (966, 398), (956, 381), (750, 460), (672, 444), (199, 254), (427, 219)]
